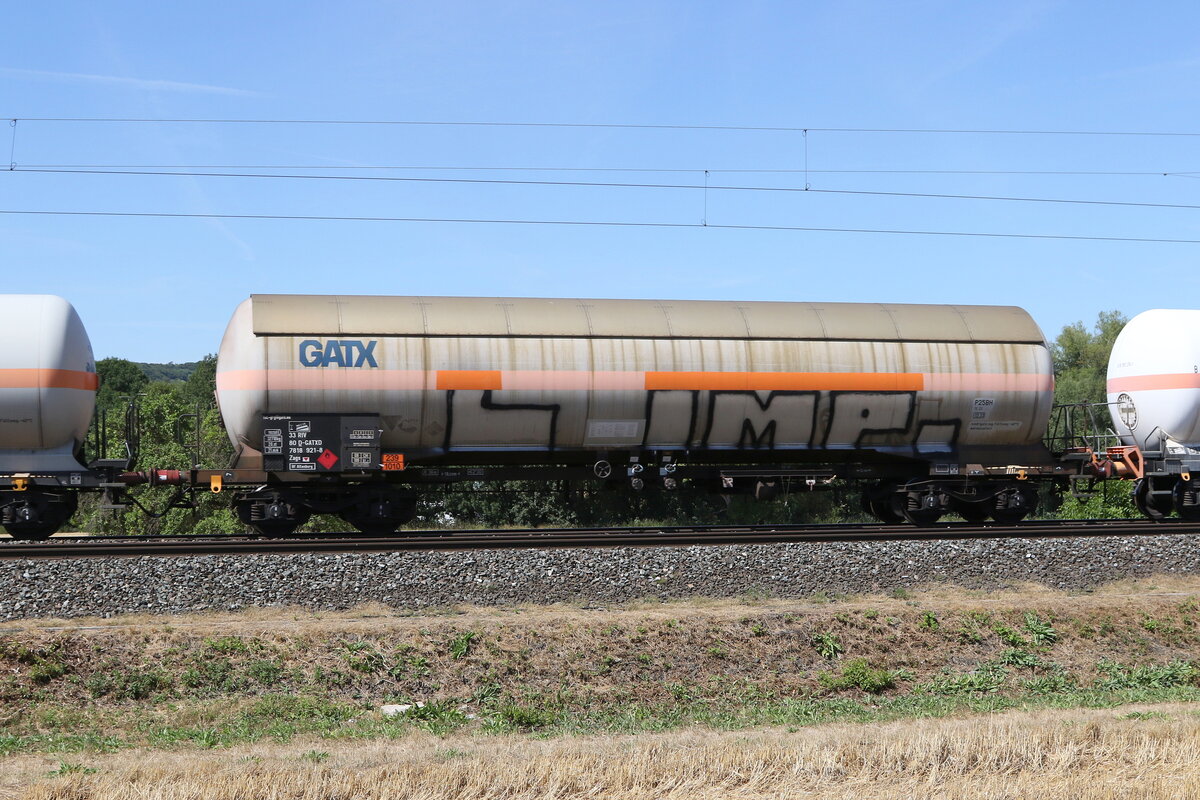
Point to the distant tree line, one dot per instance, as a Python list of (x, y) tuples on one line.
[(171, 372)]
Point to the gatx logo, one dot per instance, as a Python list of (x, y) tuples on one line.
[(338, 353)]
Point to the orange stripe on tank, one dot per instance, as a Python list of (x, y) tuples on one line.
[(786, 381), (343, 379), (48, 379), (468, 379), (239, 379), (539, 380), (1134, 383), (989, 382), (258, 380)]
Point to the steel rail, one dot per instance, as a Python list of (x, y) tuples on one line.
[(545, 538)]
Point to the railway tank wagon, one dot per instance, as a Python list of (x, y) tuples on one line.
[(350, 405), (47, 395), (1154, 400)]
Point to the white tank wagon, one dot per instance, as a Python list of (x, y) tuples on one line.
[(47, 395), (1154, 399), (940, 407)]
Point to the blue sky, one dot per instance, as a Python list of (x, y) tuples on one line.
[(160, 289)]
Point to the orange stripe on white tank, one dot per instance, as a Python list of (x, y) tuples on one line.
[(786, 381), (1135, 383), (48, 379)]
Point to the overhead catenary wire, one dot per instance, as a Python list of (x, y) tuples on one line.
[(693, 170), (628, 125), (594, 223), (705, 187), (192, 171)]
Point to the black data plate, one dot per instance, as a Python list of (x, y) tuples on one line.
[(320, 442)]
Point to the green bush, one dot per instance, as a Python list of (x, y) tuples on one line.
[(526, 718), (828, 645), (227, 645), (1019, 657), (362, 657), (217, 674), (985, 679), (1009, 636), (265, 671), (45, 670), (1054, 683), (1114, 675), (460, 645), (297, 709), (858, 674), (136, 683), (1040, 631)]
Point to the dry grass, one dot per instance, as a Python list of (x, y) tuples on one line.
[(1144, 752)]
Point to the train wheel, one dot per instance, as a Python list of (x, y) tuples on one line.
[(883, 511), (922, 504), (864, 504), (923, 517), (1014, 504), (1152, 506), (271, 513), (971, 510), (380, 511), (276, 529), (1186, 496), (877, 501), (31, 533), (33, 516)]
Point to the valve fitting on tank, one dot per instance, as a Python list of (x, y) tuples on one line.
[(634, 471)]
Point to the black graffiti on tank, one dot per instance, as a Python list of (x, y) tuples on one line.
[(486, 403), (652, 396), (852, 411), (847, 415), (750, 433)]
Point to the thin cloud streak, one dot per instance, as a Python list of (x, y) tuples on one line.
[(136, 83)]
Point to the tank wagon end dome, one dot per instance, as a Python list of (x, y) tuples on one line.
[(47, 376), (241, 359), (1154, 378)]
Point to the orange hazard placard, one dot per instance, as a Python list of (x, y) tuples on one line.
[(393, 461)]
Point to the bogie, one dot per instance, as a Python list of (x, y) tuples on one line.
[(921, 503), (1013, 503), (272, 512), (379, 510), (34, 515)]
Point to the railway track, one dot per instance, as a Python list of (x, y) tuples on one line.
[(115, 546)]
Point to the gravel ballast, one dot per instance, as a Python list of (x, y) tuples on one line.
[(112, 586)]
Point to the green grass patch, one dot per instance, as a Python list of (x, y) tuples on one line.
[(282, 718)]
